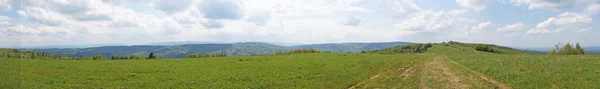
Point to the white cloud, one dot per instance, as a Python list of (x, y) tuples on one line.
[(403, 7), (510, 28), (584, 31), (43, 16), (503, 1), (541, 31), (172, 6), (592, 9), (259, 17), (566, 18), (427, 21), (477, 5), (481, 26), (5, 21), (221, 9), (4, 5), (551, 4), (352, 21)]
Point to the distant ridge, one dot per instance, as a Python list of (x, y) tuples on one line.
[(180, 49)]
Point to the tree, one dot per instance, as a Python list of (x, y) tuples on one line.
[(553, 52), (578, 49), (567, 49), (151, 56), (99, 57)]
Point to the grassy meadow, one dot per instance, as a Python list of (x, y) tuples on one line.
[(282, 71), (441, 66)]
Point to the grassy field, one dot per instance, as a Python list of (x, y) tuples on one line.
[(532, 71), (441, 67), (283, 71)]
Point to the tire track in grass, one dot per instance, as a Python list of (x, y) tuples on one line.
[(483, 76), (379, 74), (437, 75), (408, 71)]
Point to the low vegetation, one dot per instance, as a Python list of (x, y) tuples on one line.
[(301, 51), (205, 55), (484, 47), (13, 53), (411, 48)]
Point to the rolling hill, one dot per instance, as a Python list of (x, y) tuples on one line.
[(350, 47), (243, 48)]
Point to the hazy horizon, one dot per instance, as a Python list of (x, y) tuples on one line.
[(514, 23)]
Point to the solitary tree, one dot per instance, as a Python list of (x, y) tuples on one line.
[(151, 56)]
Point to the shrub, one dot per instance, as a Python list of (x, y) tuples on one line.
[(484, 47)]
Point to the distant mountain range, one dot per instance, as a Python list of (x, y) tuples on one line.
[(179, 49)]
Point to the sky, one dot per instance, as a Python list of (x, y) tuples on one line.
[(516, 23)]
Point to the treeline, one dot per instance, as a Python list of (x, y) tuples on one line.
[(13, 53), (205, 55), (134, 57), (411, 48), (567, 49), (301, 51)]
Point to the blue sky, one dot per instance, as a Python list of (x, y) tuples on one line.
[(517, 23)]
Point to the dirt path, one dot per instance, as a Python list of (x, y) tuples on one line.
[(483, 76), (432, 72), (437, 74)]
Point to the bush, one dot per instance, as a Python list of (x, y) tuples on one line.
[(484, 47)]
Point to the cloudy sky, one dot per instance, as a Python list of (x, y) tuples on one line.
[(518, 23)]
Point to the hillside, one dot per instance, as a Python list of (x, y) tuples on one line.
[(350, 47), (245, 48)]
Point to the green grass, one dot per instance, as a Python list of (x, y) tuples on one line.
[(284, 71), (432, 69), (530, 70)]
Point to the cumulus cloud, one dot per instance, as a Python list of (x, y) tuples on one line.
[(210, 24), (542, 31), (566, 18), (512, 27), (481, 26), (221, 9), (173, 6), (584, 31), (5, 5), (551, 4), (427, 21), (352, 21), (592, 9), (477, 5), (403, 7), (5, 21), (259, 17), (43, 16)]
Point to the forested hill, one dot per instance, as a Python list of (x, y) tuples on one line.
[(245, 48), (351, 47)]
